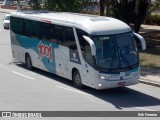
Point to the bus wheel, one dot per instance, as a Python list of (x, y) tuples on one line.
[(29, 62), (77, 79)]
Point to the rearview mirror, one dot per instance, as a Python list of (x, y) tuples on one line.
[(140, 39), (91, 43)]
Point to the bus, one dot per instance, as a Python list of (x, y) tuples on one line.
[(99, 52)]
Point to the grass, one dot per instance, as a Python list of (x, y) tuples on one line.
[(151, 56), (150, 60)]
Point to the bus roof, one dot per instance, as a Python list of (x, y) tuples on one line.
[(92, 24)]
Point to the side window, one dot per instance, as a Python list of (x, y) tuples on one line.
[(65, 36), (12, 23), (26, 28), (33, 28), (30, 28), (53, 34), (70, 39), (45, 31), (16, 25), (85, 47), (59, 34)]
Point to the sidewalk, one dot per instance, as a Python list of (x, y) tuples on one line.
[(6, 10), (149, 76), (149, 28)]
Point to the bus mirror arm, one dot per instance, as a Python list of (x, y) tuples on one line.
[(142, 40), (91, 43)]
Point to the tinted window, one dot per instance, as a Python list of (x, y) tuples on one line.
[(45, 31), (16, 25), (31, 28), (69, 38), (59, 34), (34, 29), (65, 37)]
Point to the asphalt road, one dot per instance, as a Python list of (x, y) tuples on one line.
[(24, 90)]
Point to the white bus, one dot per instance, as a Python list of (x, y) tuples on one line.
[(99, 52)]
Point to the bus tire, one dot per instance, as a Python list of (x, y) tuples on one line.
[(77, 79), (28, 62)]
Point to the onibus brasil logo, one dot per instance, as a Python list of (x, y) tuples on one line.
[(45, 51)]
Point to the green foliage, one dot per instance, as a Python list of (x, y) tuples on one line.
[(36, 4), (130, 11), (157, 5), (64, 5), (153, 19)]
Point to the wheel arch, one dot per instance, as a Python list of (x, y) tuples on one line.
[(26, 55), (73, 70)]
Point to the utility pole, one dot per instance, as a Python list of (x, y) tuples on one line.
[(18, 5)]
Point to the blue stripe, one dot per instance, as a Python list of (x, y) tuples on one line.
[(32, 43)]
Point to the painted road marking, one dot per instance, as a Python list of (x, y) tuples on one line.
[(72, 90), (142, 108), (145, 109), (23, 75)]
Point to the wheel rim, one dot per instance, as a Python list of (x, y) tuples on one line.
[(77, 79)]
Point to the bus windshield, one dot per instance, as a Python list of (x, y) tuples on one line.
[(116, 51)]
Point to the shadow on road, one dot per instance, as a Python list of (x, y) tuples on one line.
[(120, 97)]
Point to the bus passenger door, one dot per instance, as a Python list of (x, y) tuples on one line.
[(61, 61), (88, 70), (87, 64)]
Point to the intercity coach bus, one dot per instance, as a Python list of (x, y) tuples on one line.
[(99, 52)]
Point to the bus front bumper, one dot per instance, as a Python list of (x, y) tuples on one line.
[(106, 84)]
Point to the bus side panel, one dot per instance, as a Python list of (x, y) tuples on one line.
[(15, 47), (41, 52), (47, 56), (88, 75), (66, 60), (61, 61)]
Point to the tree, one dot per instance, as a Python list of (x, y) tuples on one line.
[(140, 13), (130, 11), (102, 7), (108, 11), (65, 5), (36, 4), (18, 5)]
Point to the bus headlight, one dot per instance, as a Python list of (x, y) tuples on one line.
[(103, 77)]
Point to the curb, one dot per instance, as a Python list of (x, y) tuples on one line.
[(149, 82)]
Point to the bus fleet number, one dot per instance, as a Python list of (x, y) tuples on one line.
[(45, 51)]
